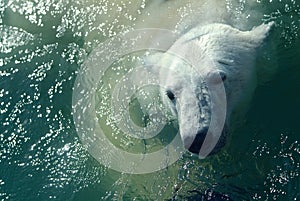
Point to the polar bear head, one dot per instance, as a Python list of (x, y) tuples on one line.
[(193, 73)]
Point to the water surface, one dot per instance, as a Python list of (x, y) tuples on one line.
[(42, 46)]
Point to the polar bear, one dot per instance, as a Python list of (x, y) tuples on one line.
[(222, 53), (221, 56)]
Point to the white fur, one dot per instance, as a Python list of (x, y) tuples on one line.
[(213, 48), (211, 37)]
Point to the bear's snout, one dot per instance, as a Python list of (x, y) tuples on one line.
[(198, 141)]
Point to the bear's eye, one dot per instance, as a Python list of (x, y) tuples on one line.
[(170, 95), (223, 75)]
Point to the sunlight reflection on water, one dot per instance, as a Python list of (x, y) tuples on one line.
[(42, 45)]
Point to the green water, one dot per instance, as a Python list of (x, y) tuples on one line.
[(43, 44)]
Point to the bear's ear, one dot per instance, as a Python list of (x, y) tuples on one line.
[(258, 34), (153, 61)]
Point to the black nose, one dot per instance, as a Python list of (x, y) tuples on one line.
[(198, 141)]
